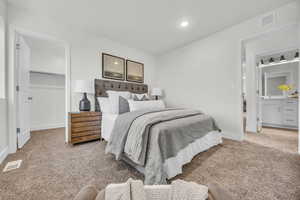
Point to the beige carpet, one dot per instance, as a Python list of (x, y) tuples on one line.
[(53, 170), (282, 139)]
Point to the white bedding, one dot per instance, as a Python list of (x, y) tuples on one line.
[(108, 121)]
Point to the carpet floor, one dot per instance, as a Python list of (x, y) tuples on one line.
[(53, 170)]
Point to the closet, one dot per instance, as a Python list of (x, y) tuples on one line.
[(48, 100)]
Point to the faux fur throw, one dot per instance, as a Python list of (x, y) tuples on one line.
[(134, 190), (131, 190), (182, 190)]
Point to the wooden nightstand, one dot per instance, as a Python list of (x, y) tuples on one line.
[(84, 126)]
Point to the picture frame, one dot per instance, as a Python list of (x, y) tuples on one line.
[(113, 67), (134, 71)]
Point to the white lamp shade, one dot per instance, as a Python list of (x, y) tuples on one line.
[(156, 92), (84, 86)]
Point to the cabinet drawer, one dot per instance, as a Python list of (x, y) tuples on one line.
[(291, 103), (86, 133), (84, 124), (290, 112), (85, 114), (85, 119), (85, 138), (290, 122), (86, 128)]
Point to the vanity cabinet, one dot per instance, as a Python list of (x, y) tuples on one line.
[(280, 113)]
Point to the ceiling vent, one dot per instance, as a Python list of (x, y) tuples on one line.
[(12, 165), (268, 20)]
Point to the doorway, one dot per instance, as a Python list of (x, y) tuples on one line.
[(270, 68), (40, 86), (39, 78)]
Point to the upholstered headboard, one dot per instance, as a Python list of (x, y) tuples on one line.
[(101, 86)]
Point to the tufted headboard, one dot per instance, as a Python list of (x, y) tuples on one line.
[(101, 86)]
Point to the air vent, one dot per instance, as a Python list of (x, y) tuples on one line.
[(12, 165), (268, 20)]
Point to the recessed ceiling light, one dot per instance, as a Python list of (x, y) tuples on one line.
[(184, 23), (116, 63)]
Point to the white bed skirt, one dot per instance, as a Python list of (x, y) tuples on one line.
[(173, 166), (107, 125)]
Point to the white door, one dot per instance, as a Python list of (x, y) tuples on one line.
[(24, 99), (259, 97)]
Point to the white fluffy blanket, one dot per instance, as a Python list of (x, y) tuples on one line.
[(135, 190)]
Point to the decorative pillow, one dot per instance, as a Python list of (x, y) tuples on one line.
[(142, 105), (140, 97), (114, 99), (123, 105), (104, 104)]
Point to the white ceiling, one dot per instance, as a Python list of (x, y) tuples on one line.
[(150, 25)]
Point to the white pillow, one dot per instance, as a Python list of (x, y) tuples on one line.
[(104, 104), (114, 99), (142, 105)]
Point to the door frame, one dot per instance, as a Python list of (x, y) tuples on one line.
[(13, 32), (241, 45)]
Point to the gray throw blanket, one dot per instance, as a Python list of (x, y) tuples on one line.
[(149, 137)]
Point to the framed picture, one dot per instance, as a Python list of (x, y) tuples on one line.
[(113, 67), (135, 71)]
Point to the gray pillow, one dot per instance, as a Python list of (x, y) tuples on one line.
[(144, 98), (123, 105)]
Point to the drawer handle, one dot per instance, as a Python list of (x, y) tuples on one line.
[(289, 120), (290, 110), (290, 102)]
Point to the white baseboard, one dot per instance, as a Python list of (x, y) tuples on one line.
[(3, 154), (233, 136), (47, 126)]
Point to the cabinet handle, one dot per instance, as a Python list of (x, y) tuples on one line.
[(290, 110), (289, 120), (290, 102)]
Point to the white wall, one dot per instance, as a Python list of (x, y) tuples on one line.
[(48, 103), (2, 48), (3, 102), (3, 130), (284, 39), (47, 61), (85, 48), (207, 73), (299, 87)]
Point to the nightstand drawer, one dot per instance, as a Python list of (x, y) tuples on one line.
[(85, 114), (85, 138), (87, 133), (84, 124), (86, 119), (85, 128)]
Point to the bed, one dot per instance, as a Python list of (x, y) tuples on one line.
[(156, 142)]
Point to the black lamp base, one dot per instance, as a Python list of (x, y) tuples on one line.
[(84, 104)]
